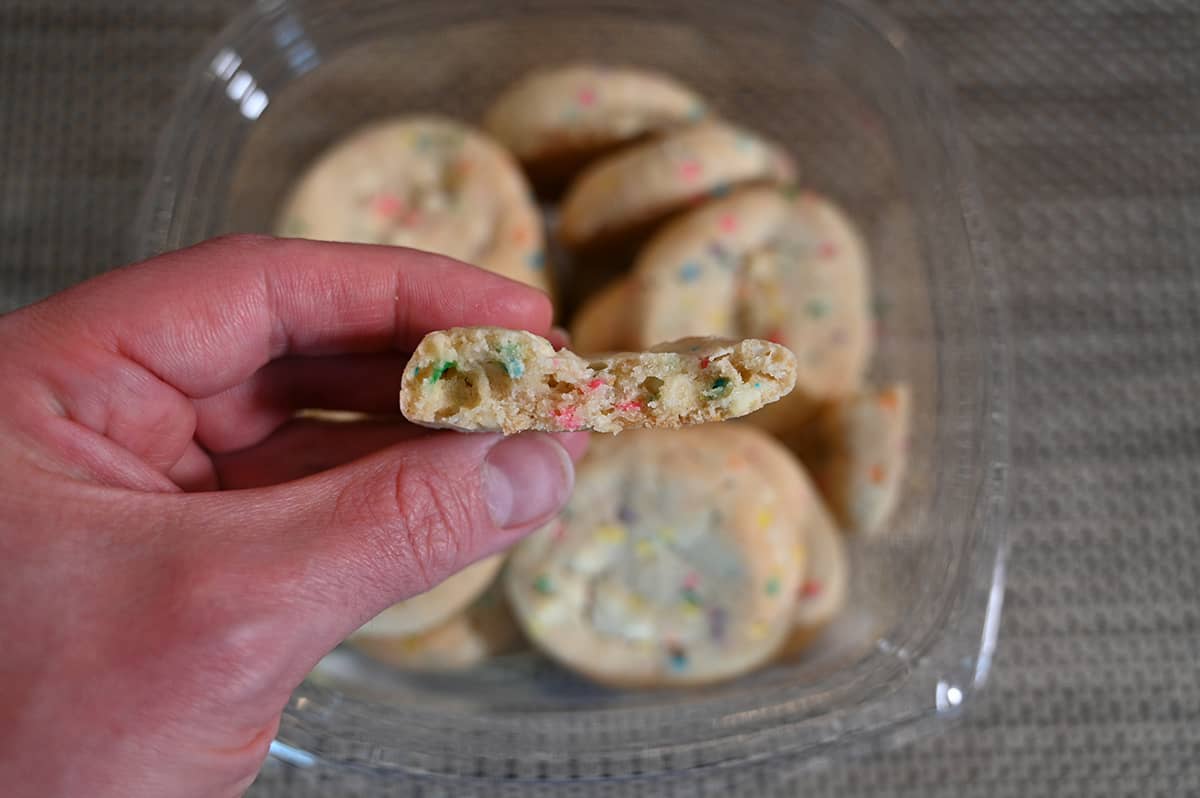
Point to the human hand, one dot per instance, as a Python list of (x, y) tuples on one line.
[(155, 625)]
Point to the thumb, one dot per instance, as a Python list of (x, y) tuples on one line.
[(331, 551)]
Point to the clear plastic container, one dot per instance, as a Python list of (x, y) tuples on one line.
[(841, 86)]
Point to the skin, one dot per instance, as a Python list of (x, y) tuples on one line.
[(175, 552)]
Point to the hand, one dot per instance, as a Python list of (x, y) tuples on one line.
[(153, 625)]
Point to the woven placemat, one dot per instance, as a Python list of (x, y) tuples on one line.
[(1086, 122)]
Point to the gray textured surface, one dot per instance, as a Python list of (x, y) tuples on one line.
[(1085, 118)]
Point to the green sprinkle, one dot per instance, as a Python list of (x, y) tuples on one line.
[(719, 388), (416, 370), (441, 370), (773, 586), (510, 358), (690, 596), (818, 308), (543, 585)]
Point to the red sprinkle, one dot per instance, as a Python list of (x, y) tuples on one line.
[(827, 250), (728, 223), (690, 170), (704, 362), (775, 336), (566, 417), (387, 205), (587, 96), (629, 406), (811, 588), (595, 384)]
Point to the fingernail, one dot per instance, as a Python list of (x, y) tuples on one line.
[(559, 337), (526, 479)]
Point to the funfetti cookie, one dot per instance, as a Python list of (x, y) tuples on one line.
[(765, 262), (823, 591), (435, 606), (484, 629), (556, 120), (629, 191), (493, 379), (857, 451), (672, 564), (428, 183)]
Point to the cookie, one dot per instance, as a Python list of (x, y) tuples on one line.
[(632, 189), (485, 629), (857, 450), (771, 263), (826, 584), (428, 183), (436, 605), (493, 379), (604, 323), (672, 564), (556, 120)]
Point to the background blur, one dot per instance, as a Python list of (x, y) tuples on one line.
[(1085, 117)]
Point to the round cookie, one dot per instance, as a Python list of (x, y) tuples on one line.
[(485, 629), (629, 191), (428, 183), (857, 450), (604, 322), (823, 591), (671, 565), (765, 262), (556, 120), (436, 605)]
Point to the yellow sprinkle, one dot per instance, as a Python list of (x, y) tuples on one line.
[(667, 533), (637, 603), (758, 630), (690, 609), (765, 518), (799, 555), (644, 549), (411, 645), (613, 534)]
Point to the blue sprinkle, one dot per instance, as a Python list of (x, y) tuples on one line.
[(720, 190), (416, 370), (689, 272), (536, 260), (758, 385), (678, 659)]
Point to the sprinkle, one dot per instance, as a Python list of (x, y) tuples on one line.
[(510, 358), (728, 223), (811, 588), (817, 308), (689, 272), (735, 461), (612, 534), (520, 235), (667, 534), (596, 384), (827, 249), (719, 190), (719, 388), (543, 585), (877, 473), (716, 623), (536, 260), (691, 597), (689, 170), (764, 518), (677, 658), (565, 416), (626, 515), (586, 97), (775, 336), (644, 549), (441, 370), (773, 586), (758, 630), (758, 385), (416, 370), (799, 554), (387, 205), (704, 362), (691, 580), (888, 399), (631, 406)]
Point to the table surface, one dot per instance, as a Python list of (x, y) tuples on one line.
[(1085, 120)]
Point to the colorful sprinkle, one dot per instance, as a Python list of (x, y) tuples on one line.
[(719, 388), (586, 97), (758, 385), (765, 518), (566, 418), (543, 585), (799, 554), (536, 260), (644, 549), (775, 336), (773, 586), (827, 249), (817, 308), (719, 190), (510, 358), (704, 361), (416, 370), (691, 580), (877, 474), (631, 406), (678, 659), (441, 370), (626, 515), (757, 630), (889, 399), (690, 170), (728, 223), (613, 534), (811, 588), (735, 461), (596, 384), (689, 272), (667, 534), (387, 205), (691, 597), (520, 235)]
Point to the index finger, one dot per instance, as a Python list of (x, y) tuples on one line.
[(204, 319)]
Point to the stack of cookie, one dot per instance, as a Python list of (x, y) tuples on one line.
[(685, 556)]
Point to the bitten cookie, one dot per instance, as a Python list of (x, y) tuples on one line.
[(768, 263), (636, 187), (556, 120), (490, 378), (485, 629), (671, 565), (428, 183), (435, 606), (826, 584), (857, 450)]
